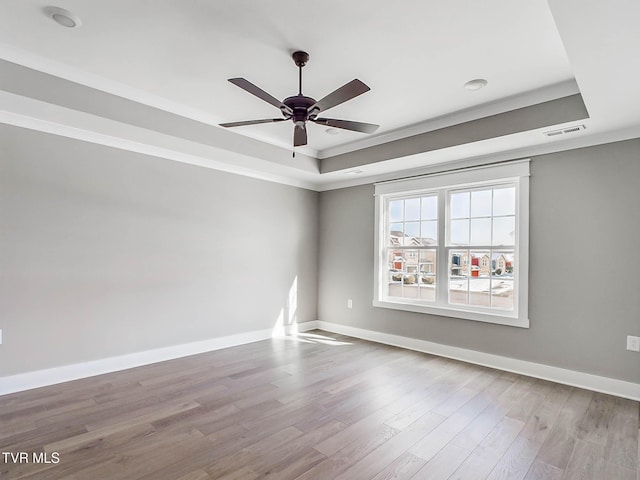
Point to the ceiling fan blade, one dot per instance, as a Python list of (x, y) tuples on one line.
[(258, 92), (341, 95), (252, 122), (347, 125), (299, 135)]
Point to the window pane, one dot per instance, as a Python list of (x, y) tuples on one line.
[(460, 232), (481, 203), (460, 205), (504, 231), (395, 210), (429, 208), (504, 201), (412, 232), (502, 293), (427, 262), (480, 263), (411, 263), (459, 268), (410, 290), (479, 292), (404, 273), (429, 233), (502, 264), (428, 293), (458, 291), (412, 209), (396, 234), (459, 263), (481, 231), (395, 287), (502, 280), (427, 269), (395, 276), (396, 262)]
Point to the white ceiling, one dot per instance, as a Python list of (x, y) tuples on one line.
[(415, 55)]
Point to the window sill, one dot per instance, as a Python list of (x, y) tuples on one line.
[(492, 317)]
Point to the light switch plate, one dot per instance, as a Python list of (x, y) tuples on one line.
[(633, 343)]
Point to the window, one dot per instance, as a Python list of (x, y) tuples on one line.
[(455, 244)]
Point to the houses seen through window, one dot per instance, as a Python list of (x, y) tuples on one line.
[(411, 237), (482, 221), (455, 247)]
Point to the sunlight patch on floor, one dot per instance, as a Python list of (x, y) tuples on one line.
[(301, 337)]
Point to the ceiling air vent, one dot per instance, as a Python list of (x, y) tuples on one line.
[(555, 133)]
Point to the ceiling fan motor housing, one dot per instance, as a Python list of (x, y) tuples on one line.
[(300, 105)]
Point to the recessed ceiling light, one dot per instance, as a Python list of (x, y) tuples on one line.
[(63, 17), (475, 84), (332, 131)]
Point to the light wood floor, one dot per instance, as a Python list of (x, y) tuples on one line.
[(321, 407)]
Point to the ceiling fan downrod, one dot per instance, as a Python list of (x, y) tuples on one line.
[(300, 58)]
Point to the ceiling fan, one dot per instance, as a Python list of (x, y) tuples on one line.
[(300, 109)]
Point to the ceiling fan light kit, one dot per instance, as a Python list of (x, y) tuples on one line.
[(301, 109)]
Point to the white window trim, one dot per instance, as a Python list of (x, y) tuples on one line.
[(468, 177)]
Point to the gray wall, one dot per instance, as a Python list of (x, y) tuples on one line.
[(584, 290), (105, 252)]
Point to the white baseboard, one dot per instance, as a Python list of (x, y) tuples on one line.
[(51, 376), (588, 381)]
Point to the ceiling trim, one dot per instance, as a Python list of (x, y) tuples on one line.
[(540, 95), (102, 84), (81, 77), (436, 166), (524, 119), (51, 67), (53, 119), (597, 62), (49, 89)]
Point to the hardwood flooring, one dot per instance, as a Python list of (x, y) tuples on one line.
[(321, 406)]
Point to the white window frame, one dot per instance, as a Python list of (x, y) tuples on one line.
[(516, 172)]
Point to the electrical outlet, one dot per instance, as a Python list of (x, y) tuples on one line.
[(349, 303), (633, 343)]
